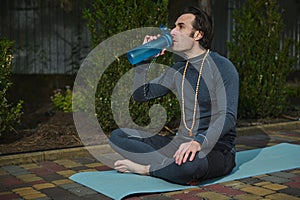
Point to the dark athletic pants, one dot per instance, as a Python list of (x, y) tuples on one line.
[(157, 151)]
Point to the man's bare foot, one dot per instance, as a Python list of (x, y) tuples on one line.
[(127, 166)]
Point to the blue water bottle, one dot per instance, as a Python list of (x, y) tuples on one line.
[(151, 48)]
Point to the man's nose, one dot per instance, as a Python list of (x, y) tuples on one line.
[(173, 31)]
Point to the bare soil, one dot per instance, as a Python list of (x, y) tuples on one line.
[(42, 129)]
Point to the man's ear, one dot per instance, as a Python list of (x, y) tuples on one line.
[(198, 35)]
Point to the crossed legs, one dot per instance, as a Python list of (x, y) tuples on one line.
[(154, 156)]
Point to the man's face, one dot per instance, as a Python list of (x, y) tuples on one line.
[(182, 33)]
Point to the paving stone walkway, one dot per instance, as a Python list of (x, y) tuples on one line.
[(48, 180)]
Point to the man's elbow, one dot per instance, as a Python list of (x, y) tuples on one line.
[(138, 96)]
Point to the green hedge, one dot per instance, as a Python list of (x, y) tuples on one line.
[(107, 18), (9, 114), (263, 62)]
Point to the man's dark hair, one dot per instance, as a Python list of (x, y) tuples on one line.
[(202, 22)]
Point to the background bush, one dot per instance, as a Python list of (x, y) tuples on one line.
[(107, 18), (262, 59), (62, 100), (9, 114)]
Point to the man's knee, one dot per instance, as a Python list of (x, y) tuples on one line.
[(115, 135)]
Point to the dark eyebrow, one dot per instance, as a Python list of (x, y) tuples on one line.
[(180, 24)]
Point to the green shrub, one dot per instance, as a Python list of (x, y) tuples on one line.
[(9, 114), (107, 18), (262, 59), (62, 100)]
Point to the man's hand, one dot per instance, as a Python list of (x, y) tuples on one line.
[(149, 38), (185, 150)]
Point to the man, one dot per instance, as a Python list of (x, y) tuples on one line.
[(207, 88)]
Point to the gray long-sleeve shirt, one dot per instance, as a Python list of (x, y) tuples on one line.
[(217, 104)]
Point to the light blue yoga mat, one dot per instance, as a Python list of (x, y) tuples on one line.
[(249, 163)]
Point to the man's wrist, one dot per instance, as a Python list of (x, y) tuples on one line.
[(198, 145)]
